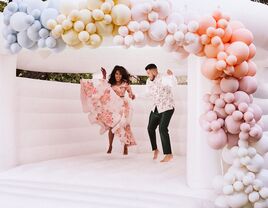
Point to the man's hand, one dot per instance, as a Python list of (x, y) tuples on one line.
[(169, 72)]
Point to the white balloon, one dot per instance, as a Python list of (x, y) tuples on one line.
[(256, 163), (221, 202), (24, 40), (237, 200), (34, 4), (228, 155), (262, 145), (47, 14)]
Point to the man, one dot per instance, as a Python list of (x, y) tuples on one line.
[(160, 88)]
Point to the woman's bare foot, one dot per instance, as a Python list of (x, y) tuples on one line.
[(156, 152), (110, 150), (125, 150), (104, 73), (167, 158)]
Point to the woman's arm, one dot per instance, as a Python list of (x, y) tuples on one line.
[(130, 93)]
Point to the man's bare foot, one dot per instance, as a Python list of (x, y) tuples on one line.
[(156, 152), (125, 150), (167, 158), (104, 73), (110, 150)]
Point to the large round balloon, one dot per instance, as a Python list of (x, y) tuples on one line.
[(19, 22), (158, 30), (121, 14)]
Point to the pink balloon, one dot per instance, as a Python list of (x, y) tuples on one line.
[(232, 140), (206, 97), (220, 103), (229, 108), (252, 51), (255, 133), (241, 97), (212, 51), (240, 50), (209, 69), (237, 115), (243, 107), (229, 84), (213, 98), (243, 35), (241, 70), (220, 112), (208, 107), (194, 47), (248, 116), (245, 127), (203, 123), (257, 111), (215, 125), (248, 84), (217, 139), (252, 68), (216, 89), (232, 126), (236, 25), (244, 135), (229, 97), (158, 30), (211, 116), (204, 23)]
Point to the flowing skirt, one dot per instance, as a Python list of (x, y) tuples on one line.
[(107, 109)]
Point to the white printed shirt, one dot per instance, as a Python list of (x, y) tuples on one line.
[(161, 91)]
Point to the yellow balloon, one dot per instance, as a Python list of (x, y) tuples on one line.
[(94, 4), (84, 36), (61, 18), (70, 37), (74, 15), (51, 24), (67, 24), (121, 14), (95, 40), (103, 29), (86, 16), (126, 2), (91, 28), (106, 7), (79, 26), (98, 14), (67, 6)]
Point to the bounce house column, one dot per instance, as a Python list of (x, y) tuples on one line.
[(203, 163), (8, 144)]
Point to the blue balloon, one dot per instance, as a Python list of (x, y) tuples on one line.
[(47, 14), (11, 38), (51, 42), (7, 31), (36, 14), (15, 48), (30, 19), (6, 19), (34, 4), (44, 33), (7, 12), (6, 45), (19, 21), (12, 7), (41, 43), (33, 34), (36, 25), (24, 40), (23, 7)]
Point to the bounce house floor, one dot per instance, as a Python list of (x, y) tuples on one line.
[(100, 181)]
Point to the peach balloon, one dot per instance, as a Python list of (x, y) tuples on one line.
[(241, 97), (209, 70), (236, 25), (222, 23), (216, 41), (217, 15), (229, 84), (252, 68), (212, 51), (241, 70), (231, 60), (221, 65), (204, 23), (205, 39), (240, 50), (227, 34), (232, 140), (248, 84), (252, 51), (221, 55), (243, 35), (211, 32), (232, 125)]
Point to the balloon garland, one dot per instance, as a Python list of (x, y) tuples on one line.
[(231, 119)]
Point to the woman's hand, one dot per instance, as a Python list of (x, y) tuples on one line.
[(169, 72), (104, 73), (132, 96)]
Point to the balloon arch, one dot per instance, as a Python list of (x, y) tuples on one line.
[(231, 119)]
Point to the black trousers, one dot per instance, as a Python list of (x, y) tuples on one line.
[(161, 119)]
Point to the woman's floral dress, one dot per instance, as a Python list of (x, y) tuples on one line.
[(108, 107)]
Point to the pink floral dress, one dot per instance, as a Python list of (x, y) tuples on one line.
[(108, 107)]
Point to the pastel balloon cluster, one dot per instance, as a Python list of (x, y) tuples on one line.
[(26, 25), (87, 23), (245, 182)]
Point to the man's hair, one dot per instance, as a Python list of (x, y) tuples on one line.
[(150, 66)]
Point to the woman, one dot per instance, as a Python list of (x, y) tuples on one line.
[(107, 105)]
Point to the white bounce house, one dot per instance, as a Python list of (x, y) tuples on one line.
[(52, 157)]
